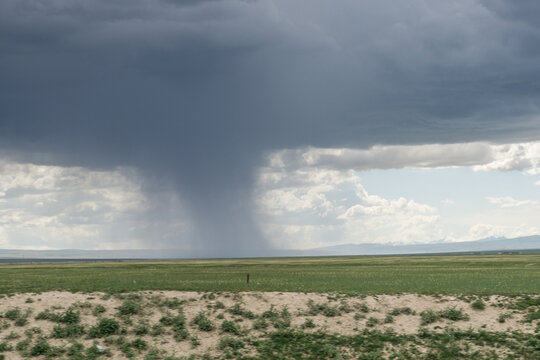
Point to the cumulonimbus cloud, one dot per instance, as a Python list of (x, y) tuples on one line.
[(193, 93)]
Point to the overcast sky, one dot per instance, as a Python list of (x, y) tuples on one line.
[(228, 127)]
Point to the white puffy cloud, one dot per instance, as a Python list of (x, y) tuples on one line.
[(314, 197), (378, 220), (520, 157), (509, 202), (483, 231), (75, 207), (311, 207)]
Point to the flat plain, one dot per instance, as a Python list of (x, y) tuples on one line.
[(466, 274), (392, 307)]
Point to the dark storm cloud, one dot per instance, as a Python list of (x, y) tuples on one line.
[(196, 91)]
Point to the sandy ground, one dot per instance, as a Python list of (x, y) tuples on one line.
[(348, 322)]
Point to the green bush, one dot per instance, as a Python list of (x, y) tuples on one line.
[(99, 309), (13, 314), (504, 316), (153, 354), (75, 351), (40, 348), (157, 329), (359, 316), (93, 353), (531, 316), (203, 323), (194, 341), (68, 331), (21, 321), (23, 345), (70, 317), (219, 305), (230, 327), (176, 321), (173, 303), (48, 315), (12, 336), (32, 331), (139, 344), (104, 327), (478, 305), (327, 310), (453, 314), (428, 317), (372, 322), (260, 324), (181, 334), (308, 324), (238, 310), (128, 308), (363, 308), (5, 346), (402, 311), (231, 343), (141, 329)]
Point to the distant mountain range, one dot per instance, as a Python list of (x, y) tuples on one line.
[(524, 244), (483, 245)]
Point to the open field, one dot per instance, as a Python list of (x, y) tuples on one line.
[(478, 274), (407, 307)]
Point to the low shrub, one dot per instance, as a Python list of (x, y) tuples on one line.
[(13, 314), (202, 322), (68, 331), (372, 322), (40, 348), (98, 309), (308, 324), (104, 327), (402, 311), (128, 308), (429, 317), (230, 327), (478, 305), (139, 344), (228, 342)]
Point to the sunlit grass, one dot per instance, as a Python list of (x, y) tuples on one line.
[(467, 274)]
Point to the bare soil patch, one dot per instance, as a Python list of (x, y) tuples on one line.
[(174, 325)]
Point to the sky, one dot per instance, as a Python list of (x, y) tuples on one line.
[(232, 128)]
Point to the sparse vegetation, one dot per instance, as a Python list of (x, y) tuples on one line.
[(478, 304), (402, 311), (504, 316), (68, 331), (338, 325), (230, 327), (128, 308), (325, 309), (372, 321), (202, 322), (238, 310), (98, 310), (104, 327), (308, 324)]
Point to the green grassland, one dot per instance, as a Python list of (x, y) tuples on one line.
[(456, 274)]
